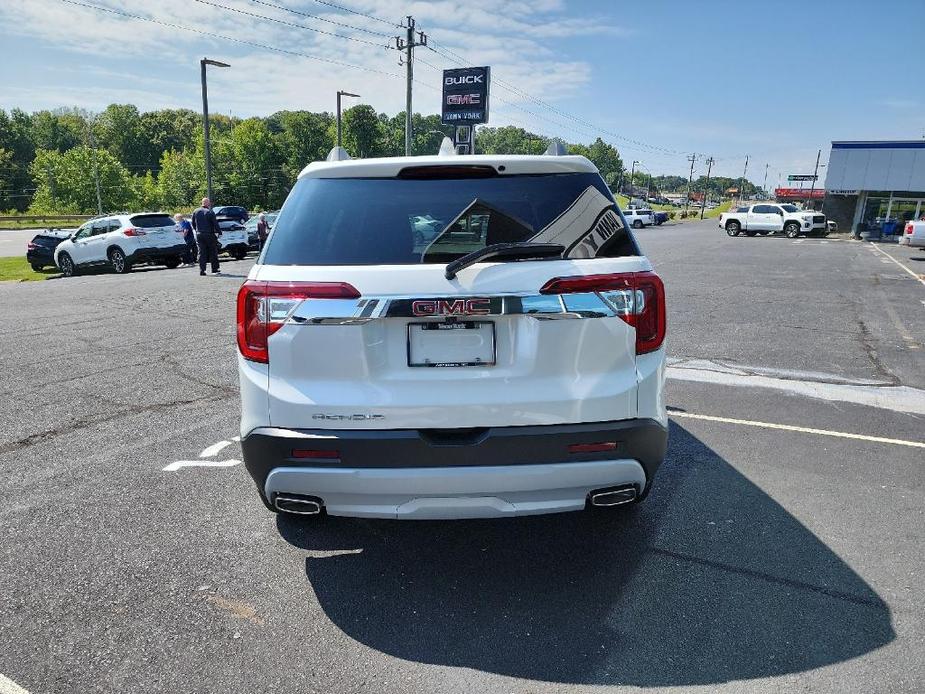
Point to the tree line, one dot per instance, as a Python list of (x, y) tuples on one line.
[(50, 161)]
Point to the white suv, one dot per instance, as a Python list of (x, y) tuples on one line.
[(510, 364), (638, 219), (120, 241)]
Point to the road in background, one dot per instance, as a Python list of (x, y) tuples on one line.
[(14, 242), (765, 560)]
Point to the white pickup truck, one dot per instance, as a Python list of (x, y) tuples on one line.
[(766, 218), (913, 234)]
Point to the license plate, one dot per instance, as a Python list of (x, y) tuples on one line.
[(462, 343)]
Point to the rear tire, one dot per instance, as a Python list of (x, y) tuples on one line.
[(637, 224), (66, 265), (119, 262), (172, 263), (733, 228), (36, 268), (239, 255), (792, 229)]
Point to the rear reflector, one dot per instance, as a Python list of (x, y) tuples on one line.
[(637, 297), (264, 307), (593, 447), (311, 453)]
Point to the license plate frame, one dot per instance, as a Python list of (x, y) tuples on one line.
[(420, 361)]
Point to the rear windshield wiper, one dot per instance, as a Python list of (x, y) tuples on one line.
[(522, 249)]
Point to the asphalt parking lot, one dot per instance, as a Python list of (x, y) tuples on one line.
[(782, 548)]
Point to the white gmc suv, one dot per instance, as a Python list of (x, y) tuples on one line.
[(511, 363)]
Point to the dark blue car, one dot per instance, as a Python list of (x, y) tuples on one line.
[(660, 217), (40, 252)]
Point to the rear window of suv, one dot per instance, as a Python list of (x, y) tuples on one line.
[(398, 221), (149, 221)]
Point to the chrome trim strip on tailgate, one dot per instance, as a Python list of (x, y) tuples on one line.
[(540, 306)]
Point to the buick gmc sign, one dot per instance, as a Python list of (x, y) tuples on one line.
[(465, 95)]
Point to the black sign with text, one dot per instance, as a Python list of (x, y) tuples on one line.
[(465, 95)]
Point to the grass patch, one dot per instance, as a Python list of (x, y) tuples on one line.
[(17, 269)]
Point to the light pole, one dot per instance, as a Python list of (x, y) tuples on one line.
[(812, 189), (339, 95), (205, 121), (632, 180)]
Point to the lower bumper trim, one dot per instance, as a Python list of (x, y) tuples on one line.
[(451, 493)]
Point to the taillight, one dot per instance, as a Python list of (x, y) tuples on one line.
[(264, 307), (637, 297), (132, 231), (909, 228), (31, 246)]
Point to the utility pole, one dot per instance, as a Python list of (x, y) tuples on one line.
[(207, 145), (742, 187), (96, 169), (815, 173), (764, 186), (706, 187), (339, 95), (632, 181), (408, 44), (690, 179)]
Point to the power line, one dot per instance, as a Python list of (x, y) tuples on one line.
[(290, 24), (213, 35), (322, 19), (358, 13)]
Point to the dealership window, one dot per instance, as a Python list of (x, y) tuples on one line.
[(875, 210), (890, 211)]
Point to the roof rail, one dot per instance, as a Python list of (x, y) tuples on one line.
[(338, 154), (447, 148), (555, 149)]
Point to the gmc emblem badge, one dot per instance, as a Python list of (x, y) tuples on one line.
[(451, 307)]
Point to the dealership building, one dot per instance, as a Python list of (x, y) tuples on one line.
[(875, 185)]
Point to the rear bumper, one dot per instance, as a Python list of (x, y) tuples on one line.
[(40, 257), (142, 255), (503, 471)]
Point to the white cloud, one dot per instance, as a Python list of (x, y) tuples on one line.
[(515, 41)]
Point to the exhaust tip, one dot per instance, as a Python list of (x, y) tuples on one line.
[(298, 504), (613, 496)]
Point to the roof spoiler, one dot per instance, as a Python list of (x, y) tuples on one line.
[(338, 154), (556, 149)]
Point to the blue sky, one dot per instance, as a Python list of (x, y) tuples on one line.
[(658, 80)]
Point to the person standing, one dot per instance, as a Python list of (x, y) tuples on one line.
[(185, 228), (207, 233), (263, 229)]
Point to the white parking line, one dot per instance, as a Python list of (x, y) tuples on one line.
[(802, 430), (909, 270), (903, 399), (8, 686), (176, 465), (214, 449)]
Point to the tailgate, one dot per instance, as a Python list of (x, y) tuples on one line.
[(487, 348)]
